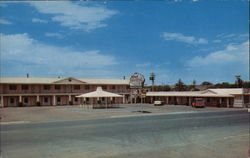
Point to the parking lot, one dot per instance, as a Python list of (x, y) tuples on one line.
[(57, 113)]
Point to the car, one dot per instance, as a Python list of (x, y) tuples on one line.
[(158, 103), (198, 102)]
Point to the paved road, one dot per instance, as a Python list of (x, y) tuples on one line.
[(222, 134)]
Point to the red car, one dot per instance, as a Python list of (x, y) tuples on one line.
[(198, 102)]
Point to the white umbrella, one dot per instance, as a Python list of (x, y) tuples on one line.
[(99, 93)]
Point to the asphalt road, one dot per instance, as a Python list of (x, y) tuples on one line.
[(218, 134)]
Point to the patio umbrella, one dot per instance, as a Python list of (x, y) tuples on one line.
[(99, 93)]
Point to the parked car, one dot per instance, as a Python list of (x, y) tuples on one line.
[(198, 102), (158, 103)]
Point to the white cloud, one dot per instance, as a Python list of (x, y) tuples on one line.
[(30, 54), (3, 4), (57, 35), (5, 22), (233, 53), (216, 41), (222, 64), (74, 15), (182, 38), (36, 20), (144, 65)]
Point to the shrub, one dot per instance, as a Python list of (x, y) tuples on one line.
[(20, 104), (38, 103)]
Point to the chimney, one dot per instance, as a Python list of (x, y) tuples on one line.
[(28, 75)]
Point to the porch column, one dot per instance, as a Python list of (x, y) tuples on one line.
[(227, 102), (123, 99), (220, 101), (37, 98), (189, 101), (1, 101), (177, 100), (166, 100), (20, 99), (54, 100), (70, 98)]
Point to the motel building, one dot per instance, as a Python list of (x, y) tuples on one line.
[(32, 91), (228, 97)]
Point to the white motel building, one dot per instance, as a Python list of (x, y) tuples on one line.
[(33, 91)]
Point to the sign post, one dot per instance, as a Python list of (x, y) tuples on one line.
[(137, 81)]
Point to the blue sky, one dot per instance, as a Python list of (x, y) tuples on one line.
[(191, 39)]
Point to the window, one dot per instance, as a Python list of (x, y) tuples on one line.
[(76, 99), (77, 87), (46, 99), (25, 87), (87, 87), (12, 87), (26, 100), (57, 87), (208, 99), (58, 99), (104, 87), (113, 87), (12, 100), (46, 87)]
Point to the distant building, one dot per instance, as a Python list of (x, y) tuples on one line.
[(227, 97), (30, 91)]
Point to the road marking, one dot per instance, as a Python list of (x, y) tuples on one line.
[(14, 122)]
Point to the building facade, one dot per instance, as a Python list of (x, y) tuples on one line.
[(228, 97), (30, 91)]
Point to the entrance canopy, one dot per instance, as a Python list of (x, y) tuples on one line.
[(99, 93)]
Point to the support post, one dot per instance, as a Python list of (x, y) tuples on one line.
[(227, 100), (2, 101), (20, 98), (54, 100), (37, 98), (123, 99)]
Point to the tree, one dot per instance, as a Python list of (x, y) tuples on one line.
[(238, 81), (180, 86), (206, 83), (152, 78)]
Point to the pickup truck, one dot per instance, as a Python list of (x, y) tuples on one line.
[(198, 102)]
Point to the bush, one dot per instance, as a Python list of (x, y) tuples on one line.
[(38, 103), (20, 104)]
